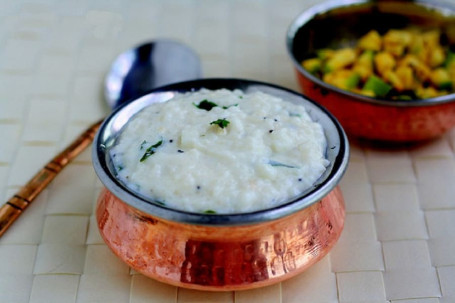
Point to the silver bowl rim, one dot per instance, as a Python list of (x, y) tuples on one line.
[(307, 15), (337, 152)]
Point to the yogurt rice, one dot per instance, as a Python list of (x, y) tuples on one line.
[(221, 151)]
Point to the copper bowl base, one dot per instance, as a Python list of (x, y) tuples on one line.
[(221, 258)]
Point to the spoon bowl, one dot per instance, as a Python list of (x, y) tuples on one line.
[(147, 66)]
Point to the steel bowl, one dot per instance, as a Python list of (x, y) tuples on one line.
[(215, 251), (335, 24)]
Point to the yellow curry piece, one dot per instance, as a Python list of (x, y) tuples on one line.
[(402, 64)]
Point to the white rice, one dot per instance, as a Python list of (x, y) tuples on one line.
[(269, 152)]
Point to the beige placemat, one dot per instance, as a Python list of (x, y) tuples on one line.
[(399, 241)]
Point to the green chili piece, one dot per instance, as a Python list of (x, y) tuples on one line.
[(151, 150), (221, 123)]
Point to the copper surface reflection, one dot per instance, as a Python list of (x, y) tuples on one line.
[(380, 122), (221, 258)]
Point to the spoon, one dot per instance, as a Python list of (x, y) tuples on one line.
[(147, 66), (132, 74)]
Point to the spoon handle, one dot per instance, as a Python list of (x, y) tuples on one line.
[(15, 206)]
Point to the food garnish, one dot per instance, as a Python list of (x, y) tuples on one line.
[(222, 123), (208, 105), (151, 150)]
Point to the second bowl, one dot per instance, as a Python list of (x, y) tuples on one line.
[(340, 24)]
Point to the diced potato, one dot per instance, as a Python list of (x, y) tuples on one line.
[(330, 78), (431, 38), (368, 93), (363, 71), (416, 46), (366, 59), (383, 62), (409, 60), (364, 65), (395, 36), (431, 42), (441, 78), (406, 75), (312, 65), (371, 41), (343, 78), (396, 41), (340, 59), (429, 92), (391, 77), (424, 55), (422, 71), (437, 57)]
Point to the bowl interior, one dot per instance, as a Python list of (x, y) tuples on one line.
[(336, 152), (337, 24)]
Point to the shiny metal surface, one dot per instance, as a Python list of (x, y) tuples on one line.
[(148, 66), (337, 153), (221, 258), (335, 24), (215, 251)]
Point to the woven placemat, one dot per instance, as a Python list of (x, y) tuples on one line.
[(398, 244)]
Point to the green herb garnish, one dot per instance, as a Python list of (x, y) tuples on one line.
[(221, 123), (226, 107), (143, 144), (275, 163), (206, 105), (151, 150), (209, 212)]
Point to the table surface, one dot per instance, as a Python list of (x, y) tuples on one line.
[(398, 244)]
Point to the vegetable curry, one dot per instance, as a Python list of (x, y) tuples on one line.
[(402, 64)]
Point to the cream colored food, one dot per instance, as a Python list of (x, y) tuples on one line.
[(221, 151)]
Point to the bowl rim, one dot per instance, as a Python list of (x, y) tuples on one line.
[(322, 187), (307, 15)]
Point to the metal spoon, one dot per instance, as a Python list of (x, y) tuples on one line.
[(150, 65), (132, 74)]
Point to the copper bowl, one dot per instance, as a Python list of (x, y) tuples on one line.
[(220, 252), (341, 23)]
